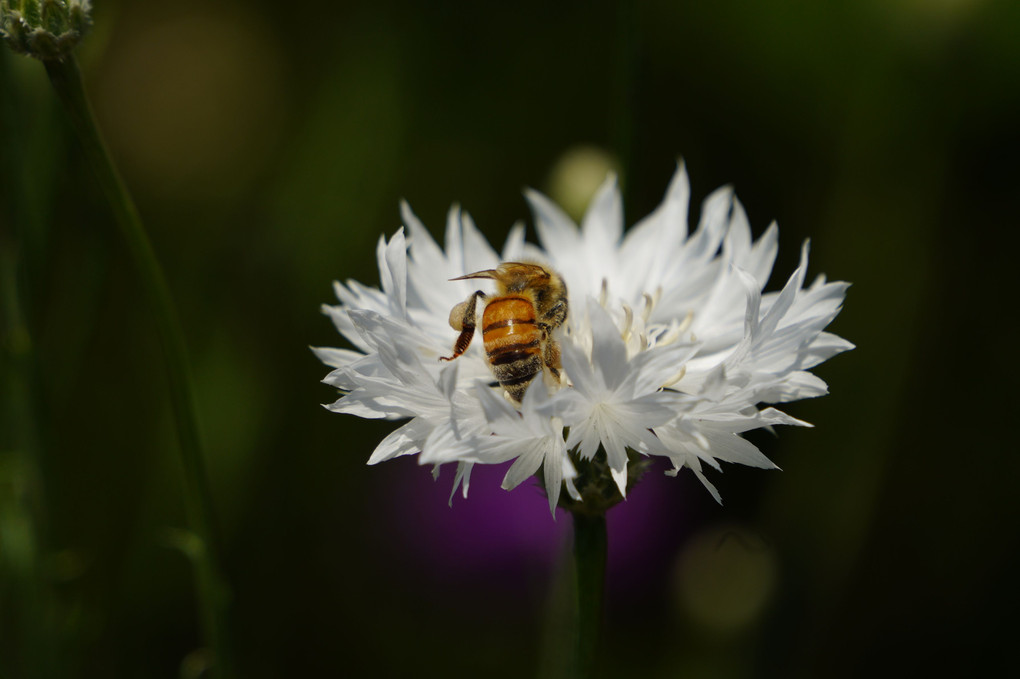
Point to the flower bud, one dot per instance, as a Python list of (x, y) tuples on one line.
[(44, 29)]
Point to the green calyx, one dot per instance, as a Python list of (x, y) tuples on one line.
[(44, 29), (596, 486)]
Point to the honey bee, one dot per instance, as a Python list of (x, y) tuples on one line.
[(517, 323)]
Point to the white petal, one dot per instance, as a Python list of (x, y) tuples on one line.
[(786, 297), (654, 366), (352, 404), (444, 444), (616, 455), (732, 448), (336, 358), (448, 379), (576, 365), (572, 489), (793, 387), (403, 441), (737, 243), (713, 224), (763, 255), (556, 231), (648, 411), (525, 466), (462, 479), (478, 254), (609, 353), (342, 322), (752, 310), (652, 245), (453, 241), (708, 485), (584, 435), (423, 247), (552, 470), (393, 272), (772, 416), (496, 449), (602, 226), (513, 249), (822, 348), (620, 477)]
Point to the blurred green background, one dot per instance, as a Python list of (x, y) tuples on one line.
[(268, 147)]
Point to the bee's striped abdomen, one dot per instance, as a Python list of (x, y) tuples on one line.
[(512, 343)]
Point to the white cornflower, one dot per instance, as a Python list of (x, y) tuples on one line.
[(670, 347)]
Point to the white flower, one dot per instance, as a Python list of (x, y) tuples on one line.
[(670, 347)]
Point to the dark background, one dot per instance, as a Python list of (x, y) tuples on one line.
[(268, 146)]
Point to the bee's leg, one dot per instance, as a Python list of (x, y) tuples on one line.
[(556, 314), (462, 318), (551, 357)]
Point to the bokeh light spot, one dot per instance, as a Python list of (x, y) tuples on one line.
[(724, 577), (577, 175), (191, 103)]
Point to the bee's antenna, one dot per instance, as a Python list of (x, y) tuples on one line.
[(488, 273)]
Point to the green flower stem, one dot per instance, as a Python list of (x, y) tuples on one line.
[(590, 582), (213, 595)]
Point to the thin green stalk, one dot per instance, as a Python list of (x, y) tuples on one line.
[(590, 581), (213, 596), (22, 590)]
